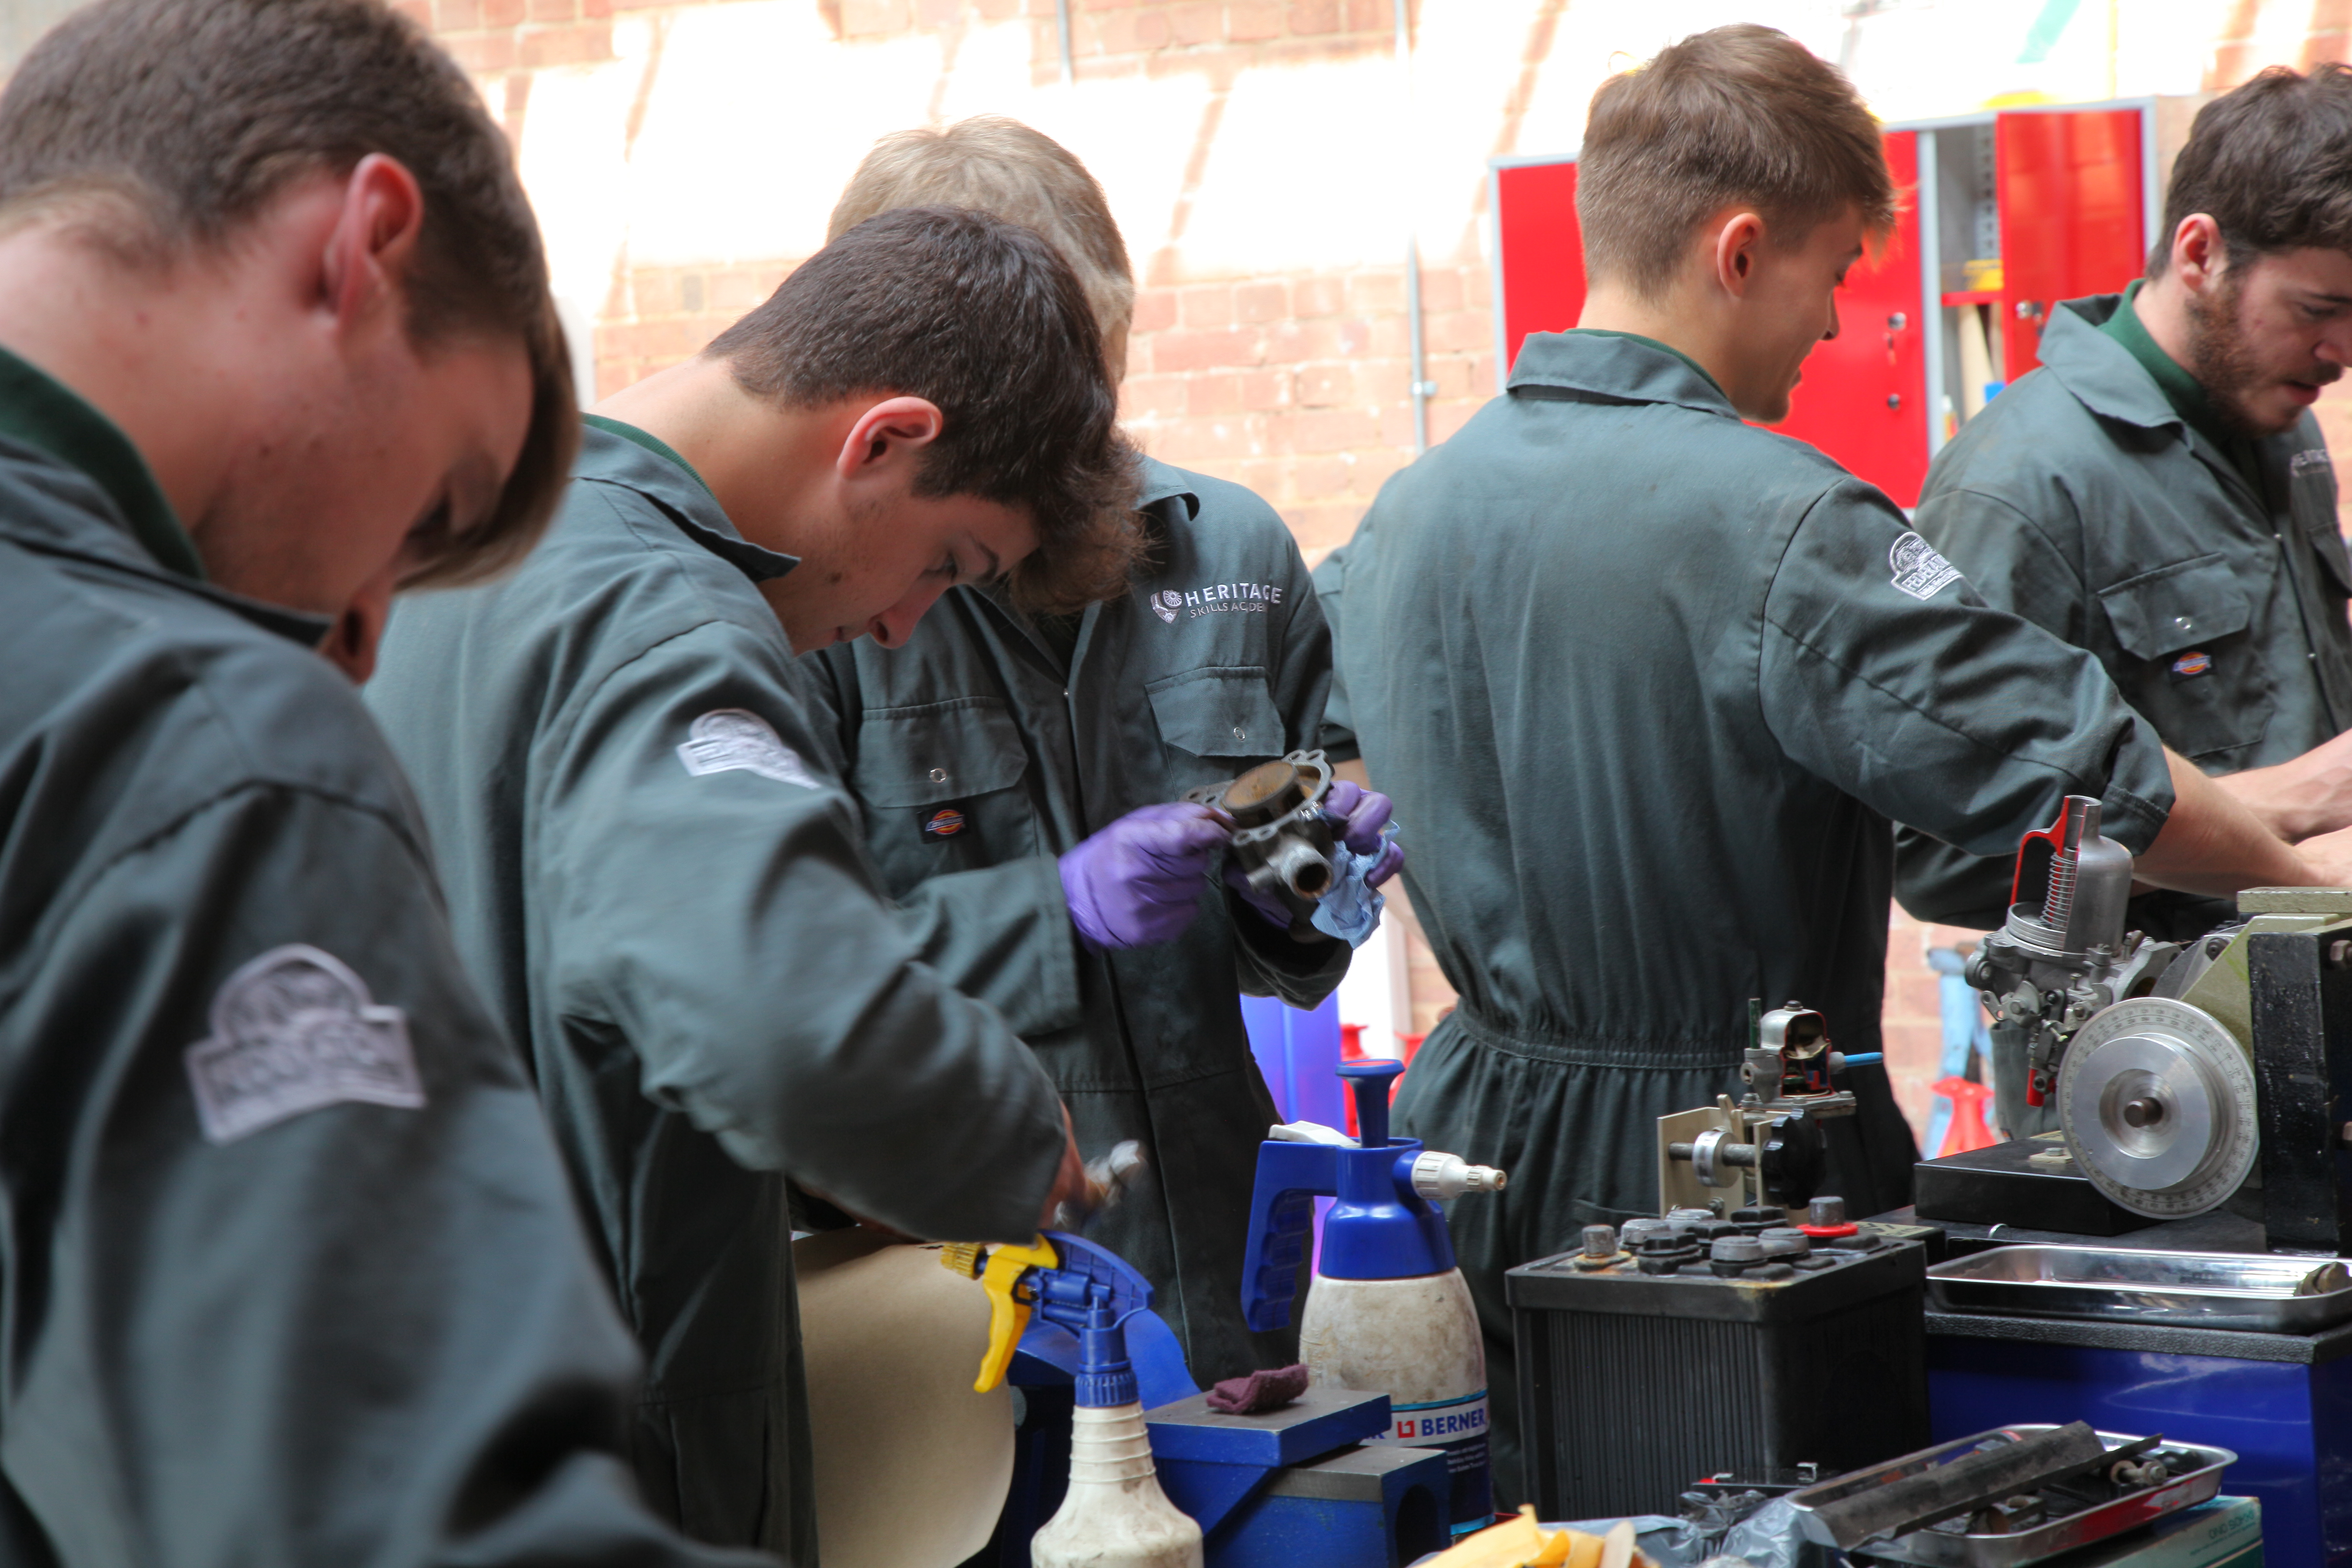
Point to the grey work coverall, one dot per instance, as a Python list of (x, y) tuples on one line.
[(1214, 660), (2083, 500), (1649, 683), (664, 894), (289, 1273)]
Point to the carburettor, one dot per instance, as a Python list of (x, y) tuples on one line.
[(2063, 954), (1282, 839)]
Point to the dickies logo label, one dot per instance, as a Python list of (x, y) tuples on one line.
[(2195, 662), (944, 823)]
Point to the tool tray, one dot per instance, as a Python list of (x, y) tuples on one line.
[(2088, 1517), (2247, 1292)]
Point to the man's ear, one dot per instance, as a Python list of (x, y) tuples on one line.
[(1738, 239), (893, 432), (2198, 256), (373, 243)]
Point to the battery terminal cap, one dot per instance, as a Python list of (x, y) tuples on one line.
[(1600, 1249), (1825, 1219)]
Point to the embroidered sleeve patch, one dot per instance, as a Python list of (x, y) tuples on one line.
[(293, 1031), (728, 738), (1919, 571)]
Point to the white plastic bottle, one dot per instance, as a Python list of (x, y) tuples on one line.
[(1115, 1515)]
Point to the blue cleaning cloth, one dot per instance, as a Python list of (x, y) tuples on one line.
[(1349, 909)]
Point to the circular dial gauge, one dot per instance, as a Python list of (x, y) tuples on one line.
[(2156, 1100)]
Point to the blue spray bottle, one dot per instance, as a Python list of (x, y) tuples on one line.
[(1388, 1312)]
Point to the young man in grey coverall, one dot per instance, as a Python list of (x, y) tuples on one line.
[(289, 1274), (1027, 731), (1650, 683), (656, 873), (2158, 493)]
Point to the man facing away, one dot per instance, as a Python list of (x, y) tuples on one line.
[(1031, 730), (289, 1271), (660, 881), (1650, 683), (2157, 493)]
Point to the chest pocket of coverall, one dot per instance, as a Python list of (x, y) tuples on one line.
[(1216, 723), (941, 786), (2311, 499), (2192, 672)]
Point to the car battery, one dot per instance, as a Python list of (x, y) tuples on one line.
[(1693, 1346)]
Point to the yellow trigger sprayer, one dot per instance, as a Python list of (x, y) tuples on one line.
[(1003, 1272)]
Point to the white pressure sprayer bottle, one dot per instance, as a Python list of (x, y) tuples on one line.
[(1388, 1312)]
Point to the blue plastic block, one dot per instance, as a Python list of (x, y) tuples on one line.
[(1375, 1507), (1209, 1462), (2289, 1423), (1318, 1422)]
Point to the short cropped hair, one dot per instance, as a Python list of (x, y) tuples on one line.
[(1742, 114), (984, 318), (1000, 166), (2271, 163), (160, 127)]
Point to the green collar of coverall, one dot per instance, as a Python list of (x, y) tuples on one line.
[(636, 460), (1652, 342), (1617, 367), (1162, 483), (40, 411), (650, 442), (2184, 398)]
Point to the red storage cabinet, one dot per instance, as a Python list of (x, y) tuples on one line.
[(2072, 218)]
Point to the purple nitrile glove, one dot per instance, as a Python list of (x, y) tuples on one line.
[(1357, 815), (1138, 880)]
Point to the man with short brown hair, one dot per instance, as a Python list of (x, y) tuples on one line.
[(1029, 728), (2158, 492), (1650, 683), (656, 873), (289, 1271)]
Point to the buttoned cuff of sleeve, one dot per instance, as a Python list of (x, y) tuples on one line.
[(2138, 800)]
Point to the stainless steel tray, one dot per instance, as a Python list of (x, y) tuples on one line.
[(1942, 1548), (2243, 1292)]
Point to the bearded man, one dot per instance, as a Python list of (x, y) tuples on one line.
[(2158, 494)]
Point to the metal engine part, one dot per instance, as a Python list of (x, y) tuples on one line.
[(1282, 839), (1787, 1153), (2157, 1101), (1769, 1146), (2063, 955)]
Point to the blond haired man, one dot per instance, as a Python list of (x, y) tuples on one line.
[(992, 736), (1650, 682)]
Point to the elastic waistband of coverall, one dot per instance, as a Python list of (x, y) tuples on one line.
[(1595, 1049)]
